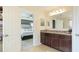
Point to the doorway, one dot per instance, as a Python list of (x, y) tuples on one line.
[(27, 30)]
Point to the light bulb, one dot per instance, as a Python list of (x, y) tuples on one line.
[(56, 12)]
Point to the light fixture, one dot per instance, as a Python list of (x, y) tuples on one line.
[(56, 12)]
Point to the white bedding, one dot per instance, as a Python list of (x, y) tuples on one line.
[(26, 32)]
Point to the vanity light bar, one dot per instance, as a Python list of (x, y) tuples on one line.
[(56, 12)]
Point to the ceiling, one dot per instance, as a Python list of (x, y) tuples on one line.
[(49, 8)]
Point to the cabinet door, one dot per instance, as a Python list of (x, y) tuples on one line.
[(62, 42), (42, 38), (68, 44), (65, 43), (55, 41), (62, 45), (48, 39)]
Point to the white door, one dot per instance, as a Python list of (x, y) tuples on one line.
[(11, 29), (75, 34)]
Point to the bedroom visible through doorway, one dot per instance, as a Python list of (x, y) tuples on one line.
[(27, 30)]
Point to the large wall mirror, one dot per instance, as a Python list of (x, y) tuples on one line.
[(61, 21)]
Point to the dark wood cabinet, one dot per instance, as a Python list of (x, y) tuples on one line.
[(57, 41), (48, 36), (43, 38), (68, 43), (65, 43), (54, 41)]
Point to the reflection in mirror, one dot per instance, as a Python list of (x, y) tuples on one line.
[(61, 21), (53, 23)]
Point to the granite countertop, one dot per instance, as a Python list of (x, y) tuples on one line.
[(56, 32)]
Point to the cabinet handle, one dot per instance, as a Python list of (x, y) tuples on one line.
[(6, 35), (77, 34)]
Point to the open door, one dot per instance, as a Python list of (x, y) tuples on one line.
[(75, 36), (11, 29)]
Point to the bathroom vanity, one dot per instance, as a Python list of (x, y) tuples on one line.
[(60, 40)]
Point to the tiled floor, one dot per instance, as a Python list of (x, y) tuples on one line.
[(27, 43), (0, 46), (27, 46)]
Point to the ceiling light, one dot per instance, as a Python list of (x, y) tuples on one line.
[(56, 12)]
